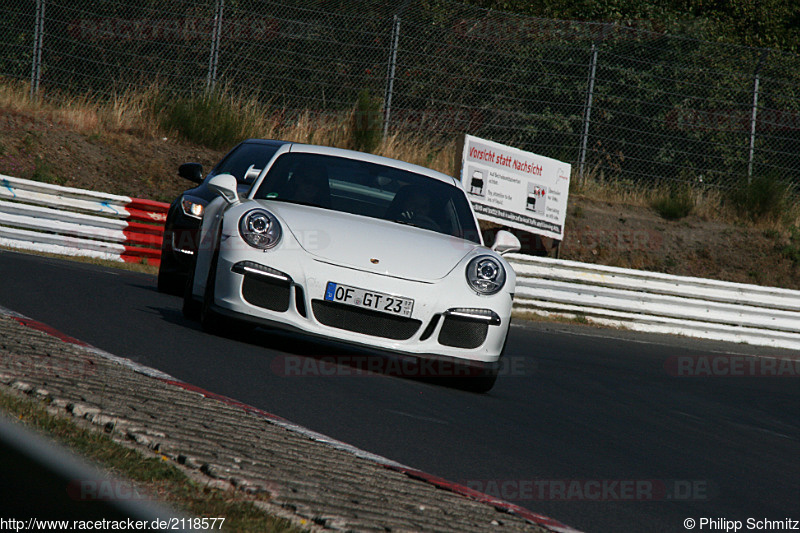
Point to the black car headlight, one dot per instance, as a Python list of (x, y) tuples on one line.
[(260, 229), (485, 275), (193, 207)]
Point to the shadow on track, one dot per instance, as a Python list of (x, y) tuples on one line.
[(301, 355)]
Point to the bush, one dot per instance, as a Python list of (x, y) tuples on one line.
[(211, 119), (44, 172), (791, 250), (674, 205), (367, 127), (763, 198)]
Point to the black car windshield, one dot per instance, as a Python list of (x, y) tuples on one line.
[(246, 161), (370, 189)]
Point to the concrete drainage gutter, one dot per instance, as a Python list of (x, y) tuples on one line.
[(310, 478)]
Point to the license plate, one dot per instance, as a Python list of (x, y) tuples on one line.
[(377, 301)]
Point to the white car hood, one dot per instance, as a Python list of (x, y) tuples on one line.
[(372, 245)]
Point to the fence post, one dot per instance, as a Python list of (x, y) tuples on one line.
[(754, 116), (588, 113), (387, 98), (216, 36), (38, 35)]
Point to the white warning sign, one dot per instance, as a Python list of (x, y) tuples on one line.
[(515, 188)]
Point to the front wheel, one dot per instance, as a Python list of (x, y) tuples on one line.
[(168, 283), (169, 280), (212, 322), (191, 308), (482, 380)]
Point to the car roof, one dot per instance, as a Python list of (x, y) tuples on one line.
[(268, 142)]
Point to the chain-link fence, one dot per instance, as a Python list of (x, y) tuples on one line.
[(619, 103)]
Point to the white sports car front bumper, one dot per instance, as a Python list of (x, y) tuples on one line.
[(286, 288)]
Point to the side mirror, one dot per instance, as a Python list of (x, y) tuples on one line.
[(251, 174), (224, 185), (191, 171), (505, 242)]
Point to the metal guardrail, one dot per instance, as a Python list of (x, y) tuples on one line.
[(52, 484), (67, 221), (651, 301)]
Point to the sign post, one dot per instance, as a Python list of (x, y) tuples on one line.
[(515, 188)]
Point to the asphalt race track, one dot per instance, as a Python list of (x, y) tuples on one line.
[(591, 426)]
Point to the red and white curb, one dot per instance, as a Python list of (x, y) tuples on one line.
[(441, 483)]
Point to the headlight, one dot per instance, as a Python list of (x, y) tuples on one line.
[(485, 275), (260, 229), (192, 207)]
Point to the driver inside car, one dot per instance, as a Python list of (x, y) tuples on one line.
[(417, 210)]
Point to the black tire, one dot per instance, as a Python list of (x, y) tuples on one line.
[(212, 322), (169, 283), (481, 383), (191, 308), (483, 380)]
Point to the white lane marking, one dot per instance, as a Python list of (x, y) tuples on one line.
[(654, 343), (419, 417)]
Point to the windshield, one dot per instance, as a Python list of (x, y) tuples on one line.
[(370, 190), (246, 161)]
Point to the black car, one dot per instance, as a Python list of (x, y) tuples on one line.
[(182, 227)]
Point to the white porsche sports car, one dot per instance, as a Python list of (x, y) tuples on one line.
[(357, 248)]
